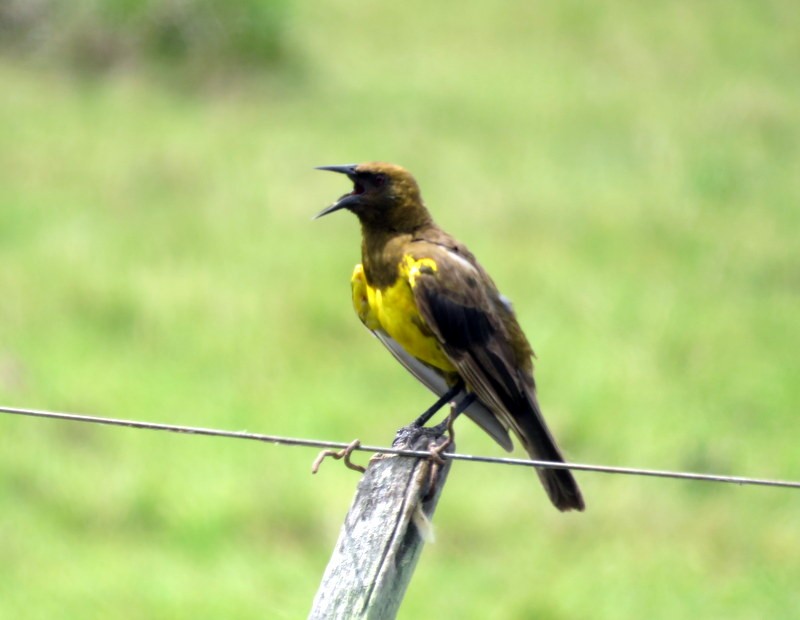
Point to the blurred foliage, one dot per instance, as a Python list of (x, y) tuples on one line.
[(626, 171), (199, 35)]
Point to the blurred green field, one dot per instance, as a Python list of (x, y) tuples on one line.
[(628, 172)]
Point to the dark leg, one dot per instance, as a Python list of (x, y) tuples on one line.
[(443, 400), (457, 410), (417, 429), (463, 404)]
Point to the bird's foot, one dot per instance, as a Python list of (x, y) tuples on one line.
[(416, 437), (339, 454), (435, 438), (437, 447)]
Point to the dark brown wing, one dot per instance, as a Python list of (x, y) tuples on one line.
[(481, 337)]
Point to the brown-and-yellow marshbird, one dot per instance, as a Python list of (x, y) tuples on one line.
[(427, 298)]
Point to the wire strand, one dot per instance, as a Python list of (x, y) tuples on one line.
[(316, 443)]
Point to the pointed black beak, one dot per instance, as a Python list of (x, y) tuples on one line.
[(350, 171)]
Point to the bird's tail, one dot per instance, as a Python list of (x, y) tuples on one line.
[(560, 484)]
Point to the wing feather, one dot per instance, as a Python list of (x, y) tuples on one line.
[(480, 335)]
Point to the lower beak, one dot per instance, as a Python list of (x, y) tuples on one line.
[(334, 207)]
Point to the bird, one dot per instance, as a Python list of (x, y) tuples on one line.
[(426, 297)]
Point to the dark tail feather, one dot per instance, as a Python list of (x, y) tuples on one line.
[(512, 398), (560, 484), (562, 488)]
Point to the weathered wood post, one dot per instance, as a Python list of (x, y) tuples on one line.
[(383, 533)]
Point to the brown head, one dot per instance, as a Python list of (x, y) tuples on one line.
[(384, 197)]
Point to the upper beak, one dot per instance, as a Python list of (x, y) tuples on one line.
[(349, 170)]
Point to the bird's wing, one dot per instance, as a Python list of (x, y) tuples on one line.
[(482, 338), (455, 303), (427, 375), (434, 381)]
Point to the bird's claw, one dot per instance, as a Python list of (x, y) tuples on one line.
[(344, 453)]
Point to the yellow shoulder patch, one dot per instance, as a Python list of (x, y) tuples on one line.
[(411, 268)]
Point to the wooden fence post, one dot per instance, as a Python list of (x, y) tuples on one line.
[(383, 533)]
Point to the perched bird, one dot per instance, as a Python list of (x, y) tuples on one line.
[(427, 298)]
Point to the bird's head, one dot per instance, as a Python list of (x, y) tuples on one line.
[(384, 196)]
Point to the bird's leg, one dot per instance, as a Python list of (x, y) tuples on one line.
[(443, 400), (456, 411)]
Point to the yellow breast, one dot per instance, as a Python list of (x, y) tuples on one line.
[(394, 310)]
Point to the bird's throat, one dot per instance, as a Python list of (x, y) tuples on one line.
[(381, 251)]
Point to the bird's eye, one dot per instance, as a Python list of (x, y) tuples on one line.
[(380, 180)]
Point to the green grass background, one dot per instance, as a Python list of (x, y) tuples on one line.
[(629, 172)]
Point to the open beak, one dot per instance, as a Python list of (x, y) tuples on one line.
[(349, 170)]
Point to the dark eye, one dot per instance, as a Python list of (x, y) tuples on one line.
[(380, 180)]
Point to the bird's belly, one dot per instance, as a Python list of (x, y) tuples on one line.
[(395, 311)]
